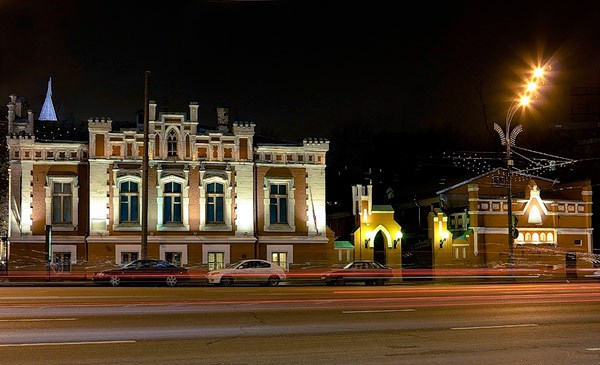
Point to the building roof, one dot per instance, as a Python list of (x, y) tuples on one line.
[(48, 113), (340, 245), (489, 173)]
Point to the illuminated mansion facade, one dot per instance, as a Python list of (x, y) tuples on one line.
[(216, 195)]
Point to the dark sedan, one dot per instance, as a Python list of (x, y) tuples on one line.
[(143, 271), (368, 272)]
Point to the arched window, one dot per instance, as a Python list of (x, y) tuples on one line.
[(214, 203), (535, 216), (187, 145), (520, 238), (527, 237), (550, 237), (542, 237), (172, 144), (535, 237), (129, 202), (157, 146), (172, 203)]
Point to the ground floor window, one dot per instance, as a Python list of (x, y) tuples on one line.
[(174, 258), (127, 257), (280, 259), (61, 261), (216, 260)]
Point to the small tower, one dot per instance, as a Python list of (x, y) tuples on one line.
[(48, 113), (223, 120)]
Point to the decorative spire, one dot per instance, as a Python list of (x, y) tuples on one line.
[(48, 113)]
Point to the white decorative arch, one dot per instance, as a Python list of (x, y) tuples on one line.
[(227, 201), (180, 142), (185, 206), (385, 232), (117, 206)]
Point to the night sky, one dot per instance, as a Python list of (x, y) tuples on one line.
[(306, 68)]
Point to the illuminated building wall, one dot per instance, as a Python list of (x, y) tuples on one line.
[(553, 221), (208, 193)]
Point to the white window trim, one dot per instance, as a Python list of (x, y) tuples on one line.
[(174, 248), (291, 189), (206, 248), (117, 204), (74, 181), (185, 200), (165, 144), (119, 249), (72, 249), (227, 201)]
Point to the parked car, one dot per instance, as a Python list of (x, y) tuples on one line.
[(369, 272), (251, 271), (143, 271)]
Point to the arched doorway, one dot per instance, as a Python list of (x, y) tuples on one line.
[(379, 246)]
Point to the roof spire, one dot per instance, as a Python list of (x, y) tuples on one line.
[(48, 113)]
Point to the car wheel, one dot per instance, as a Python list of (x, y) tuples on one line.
[(115, 281), (339, 281), (273, 281), (379, 282), (227, 281), (171, 281)]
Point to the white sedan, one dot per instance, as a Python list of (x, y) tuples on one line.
[(251, 271)]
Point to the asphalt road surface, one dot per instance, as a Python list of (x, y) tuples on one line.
[(394, 324)]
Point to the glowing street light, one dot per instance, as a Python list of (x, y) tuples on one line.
[(508, 139)]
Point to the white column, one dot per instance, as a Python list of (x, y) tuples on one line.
[(99, 201), (316, 198), (244, 190)]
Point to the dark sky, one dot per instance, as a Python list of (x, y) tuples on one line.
[(305, 68)]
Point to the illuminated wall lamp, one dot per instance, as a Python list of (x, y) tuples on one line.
[(398, 238), (445, 236)]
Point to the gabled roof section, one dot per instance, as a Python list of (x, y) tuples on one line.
[(489, 173), (48, 113)]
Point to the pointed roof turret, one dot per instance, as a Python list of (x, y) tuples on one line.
[(48, 113)]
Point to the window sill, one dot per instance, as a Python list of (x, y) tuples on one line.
[(280, 227), (132, 227), (216, 227), (173, 227), (63, 227)]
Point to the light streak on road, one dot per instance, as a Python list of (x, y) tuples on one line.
[(495, 327)]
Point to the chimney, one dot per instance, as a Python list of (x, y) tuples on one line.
[(223, 120), (152, 110), (11, 110), (193, 111)]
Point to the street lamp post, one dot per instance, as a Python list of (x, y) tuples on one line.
[(508, 138)]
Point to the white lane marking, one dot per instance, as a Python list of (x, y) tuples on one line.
[(379, 311), (65, 343), (500, 326), (594, 349), (38, 319)]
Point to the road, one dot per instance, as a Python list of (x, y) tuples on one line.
[(510, 323)]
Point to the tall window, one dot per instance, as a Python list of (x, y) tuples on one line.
[(172, 203), (216, 260), (278, 204), (172, 144), (62, 203), (214, 203), (129, 202)]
